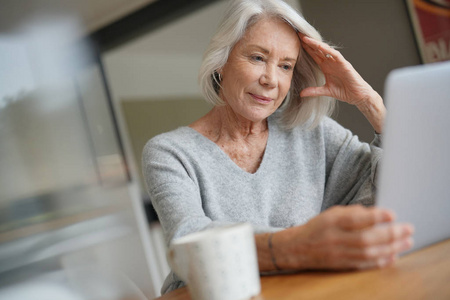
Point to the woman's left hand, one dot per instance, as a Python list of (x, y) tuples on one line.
[(343, 82)]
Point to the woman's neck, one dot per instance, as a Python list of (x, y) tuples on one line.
[(222, 123)]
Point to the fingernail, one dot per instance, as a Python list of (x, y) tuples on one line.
[(387, 216), (393, 259), (408, 229), (410, 242), (383, 262), (406, 244), (391, 216)]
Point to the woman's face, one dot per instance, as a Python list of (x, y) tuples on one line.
[(258, 73)]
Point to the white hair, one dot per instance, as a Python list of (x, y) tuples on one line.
[(242, 14)]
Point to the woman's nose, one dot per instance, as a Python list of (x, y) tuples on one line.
[(268, 77)]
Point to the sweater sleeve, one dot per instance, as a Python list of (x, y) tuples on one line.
[(351, 167), (173, 190)]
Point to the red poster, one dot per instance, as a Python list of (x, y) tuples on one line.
[(431, 20)]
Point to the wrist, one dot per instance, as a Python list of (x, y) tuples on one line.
[(272, 251), (265, 262), (272, 254), (290, 249), (283, 250), (374, 110)]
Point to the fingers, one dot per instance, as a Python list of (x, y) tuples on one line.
[(315, 91), (348, 237), (358, 217), (360, 226), (377, 251), (336, 255), (317, 55), (341, 257), (318, 50), (345, 259), (379, 235), (357, 237), (376, 241), (353, 264)]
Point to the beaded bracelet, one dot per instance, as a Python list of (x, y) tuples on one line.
[(271, 252)]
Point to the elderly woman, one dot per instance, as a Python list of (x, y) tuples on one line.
[(268, 154)]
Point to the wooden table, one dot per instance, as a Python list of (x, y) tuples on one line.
[(424, 274)]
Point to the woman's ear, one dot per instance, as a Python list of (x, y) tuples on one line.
[(220, 71), (217, 77), (216, 80)]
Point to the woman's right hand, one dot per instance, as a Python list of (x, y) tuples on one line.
[(342, 238)]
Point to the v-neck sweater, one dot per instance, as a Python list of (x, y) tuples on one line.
[(193, 184)]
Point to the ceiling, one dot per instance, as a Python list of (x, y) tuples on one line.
[(99, 13), (187, 35), (94, 14)]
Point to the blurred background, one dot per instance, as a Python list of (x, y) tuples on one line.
[(83, 85)]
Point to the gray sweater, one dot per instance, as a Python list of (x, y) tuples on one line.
[(194, 185)]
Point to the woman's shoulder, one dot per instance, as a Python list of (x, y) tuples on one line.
[(331, 126), (327, 134), (177, 139), (326, 126), (337, 136), (171, 136)]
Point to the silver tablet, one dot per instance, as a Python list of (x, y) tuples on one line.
[(414, 176)]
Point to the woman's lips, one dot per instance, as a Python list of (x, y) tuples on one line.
[(261, 99)]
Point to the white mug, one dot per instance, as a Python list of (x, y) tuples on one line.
[(218, 263)]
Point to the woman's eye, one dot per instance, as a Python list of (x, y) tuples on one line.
[(286, 67), (257, 58)]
